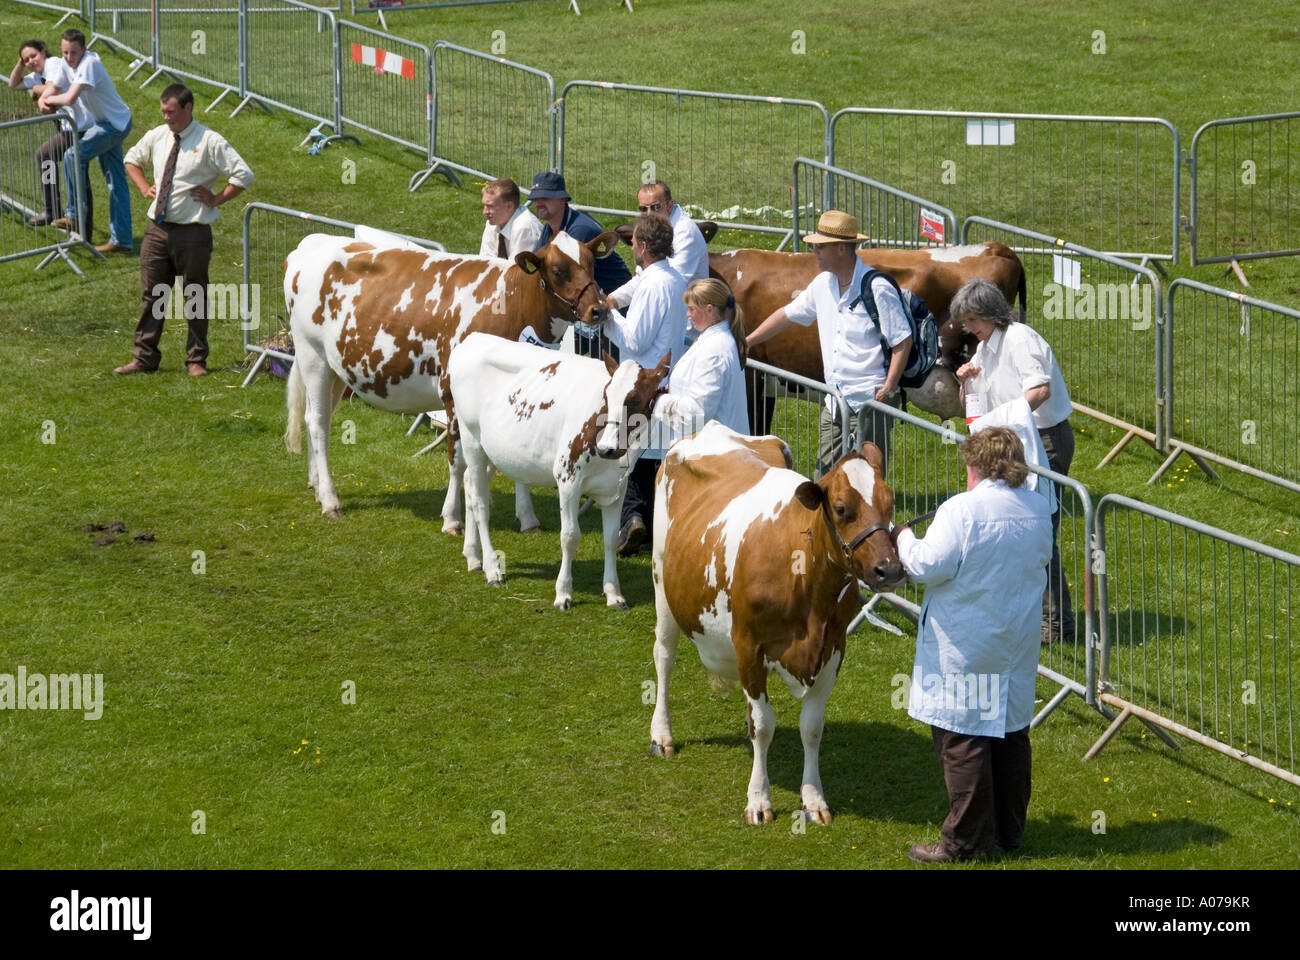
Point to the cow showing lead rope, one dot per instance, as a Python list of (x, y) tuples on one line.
[(544, 419), (385, 322)]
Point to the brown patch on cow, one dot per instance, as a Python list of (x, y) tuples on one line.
[(585, 441), (546, 405), (360, 246), (550, 369)]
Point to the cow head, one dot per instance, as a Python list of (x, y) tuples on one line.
[(567, 271), (857, 505), (630, 397)]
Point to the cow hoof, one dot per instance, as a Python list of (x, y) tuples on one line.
[(756, 815), (616, 603), (496, 579), (535, 528), (474, 566), (563, 603), (453, 528), (822, 816), (665, 750), (333, 513)]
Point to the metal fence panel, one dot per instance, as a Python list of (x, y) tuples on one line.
[(789, 406), (387, 86), (125, 24), (68, 8), (28, 186), (726, 157), (890, 217), (1234, 389), (493, 118), (1197, 628), (1109, 182), (199, 40), (1245, 188), (270, 234), (291, 58), (1105, 320)]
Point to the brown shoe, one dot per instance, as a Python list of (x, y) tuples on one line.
[(135, 366), (196, 369), (40, 220), (64, 223), (931, 853), (111, 247)]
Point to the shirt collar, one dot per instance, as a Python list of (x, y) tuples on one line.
[(994, 342)]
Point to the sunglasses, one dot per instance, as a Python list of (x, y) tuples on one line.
[(648, 207)]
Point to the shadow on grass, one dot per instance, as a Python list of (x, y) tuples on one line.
[(1134, 627), (1061, 835)]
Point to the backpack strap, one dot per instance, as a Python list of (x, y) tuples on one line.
[(867, 298)]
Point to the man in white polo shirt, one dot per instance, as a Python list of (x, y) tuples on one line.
[(105, 121), (1013, 361), (188, 160), (854, 362), (511, 227)]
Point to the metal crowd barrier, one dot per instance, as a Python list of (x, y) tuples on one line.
[(789, 406), (270, 234), (1234, 389), (1104, 318), (387, 88), (724, 155), (127, 25), (200, 42), (291, 61), (1108, 181), (379, 7), (1244, 204), (69, 8), (1198, 635), (493, 118), (890, 217), (924, 469), (27, 186)]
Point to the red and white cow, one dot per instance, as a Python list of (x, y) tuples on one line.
[(385, 321), (545, 420), (759, 566)]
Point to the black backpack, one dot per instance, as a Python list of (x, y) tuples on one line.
[(925, 329)]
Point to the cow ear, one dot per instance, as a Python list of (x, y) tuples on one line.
[(665, 364), (527, 261), (604, 244), (810, 494), (708, 228), (624, 231), (610, 363), (872, 454)]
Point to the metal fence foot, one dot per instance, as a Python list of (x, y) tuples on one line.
[(152, 77), (1105, 738), (1115, 450), (415, 424), (136, 68), (1235, 268), (417, 180), (1052, 704), (221, 96), (261, 359), (1200, 461), (868, 615)]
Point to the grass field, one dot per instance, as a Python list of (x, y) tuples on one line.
[(229, 642)]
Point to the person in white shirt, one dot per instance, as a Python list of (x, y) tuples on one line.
[(709, 382), (511, 227), (855, 365), (1014, 361), (690, 251), (188, 161), (36, 72), (653, 327), (982, 563), (104, 120)]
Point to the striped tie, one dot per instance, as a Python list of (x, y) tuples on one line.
[(502, 250), (165, 190)]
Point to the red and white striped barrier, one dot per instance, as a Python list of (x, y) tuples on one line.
[(384, 61)]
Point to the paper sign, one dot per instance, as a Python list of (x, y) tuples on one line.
[(990, 133), (1066, 272), (932, 225)]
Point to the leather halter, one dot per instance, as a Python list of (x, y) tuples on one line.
[(848, 549), (571, 304)]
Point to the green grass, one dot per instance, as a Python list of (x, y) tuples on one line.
[(472, 700)]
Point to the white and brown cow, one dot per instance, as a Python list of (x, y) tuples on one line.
[(545, 420), (759, 566), (385, 321)]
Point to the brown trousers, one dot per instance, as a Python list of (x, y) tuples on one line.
[(170, 251), (988, 790), (49, 158)]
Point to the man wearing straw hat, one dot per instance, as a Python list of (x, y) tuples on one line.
[(853, 359)]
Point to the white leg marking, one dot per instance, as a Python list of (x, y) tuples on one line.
[(609, 517), (667, 636), (812, 718), (528, 522), (759, 808), (570, 536)]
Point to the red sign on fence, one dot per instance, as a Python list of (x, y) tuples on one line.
[(384, 61), (931, 225)]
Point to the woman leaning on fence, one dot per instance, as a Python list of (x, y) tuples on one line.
[(36, 71)]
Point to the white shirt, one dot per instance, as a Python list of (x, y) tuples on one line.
[(983, 562), (98, 97), (57, 74), (204, 160), (656, 319), (1016, 415), (1013, 359), (852, 360), (690, 257), (708, 384), (522, 231)]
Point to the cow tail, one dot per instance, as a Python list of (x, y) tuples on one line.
[(1020, 291), (296, 400), (721, 684)]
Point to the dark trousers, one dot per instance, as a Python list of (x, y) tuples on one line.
[(1058, 610), (168, 252), (640, 498), (868, 424), (988, 790), (49, 156)]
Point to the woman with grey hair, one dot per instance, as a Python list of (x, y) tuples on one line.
[(1013, 361)]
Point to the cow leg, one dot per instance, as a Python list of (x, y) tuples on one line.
[(318, 383), (762, 724), (478, 503), (451, 507), (610, 514), (528, 522), (667, 636), (812, 719), (570, 536)]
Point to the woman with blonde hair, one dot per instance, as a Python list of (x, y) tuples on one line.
[(708, 383)]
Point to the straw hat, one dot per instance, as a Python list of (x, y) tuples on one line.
[(835, 226)]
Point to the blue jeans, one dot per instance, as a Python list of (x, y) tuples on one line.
[(102, 141)]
